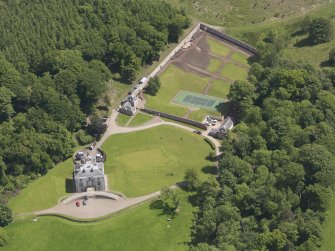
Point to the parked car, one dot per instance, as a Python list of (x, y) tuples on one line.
[(78, 204), (197, 132)]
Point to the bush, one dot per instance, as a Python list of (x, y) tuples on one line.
[(320, 30), (5, 215)]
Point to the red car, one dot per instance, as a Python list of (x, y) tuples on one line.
[(78, 204)]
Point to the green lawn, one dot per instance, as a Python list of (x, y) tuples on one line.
[(234, 72), (139, 119), (217, 47), (173, 80), (219, 88), (44, 192), (143, 162), (122, 119), (240, 57), (328, 243), (214, 65), (141, 228)]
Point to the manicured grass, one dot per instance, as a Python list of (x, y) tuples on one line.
[(139, 119), (141, 228), (122, 119), (173, 80), (199, 115), (44, 192), (240, 57), (143, 162), (234, 72), (328, 242), (219, 88), (214, 65), (217, 47)]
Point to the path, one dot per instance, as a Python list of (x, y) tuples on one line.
[(95, 208)]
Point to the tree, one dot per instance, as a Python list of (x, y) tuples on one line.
[(169, 196), (153, 86), (6, 107), (192, 179), (96, 126), (332, 57), (320, 30), (5, 215)]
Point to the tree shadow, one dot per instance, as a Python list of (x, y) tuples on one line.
[(164, 207), (326, 63), (193, 200), (69, 186), (298, 33), (304, 43), (223, 108), (209, 170)]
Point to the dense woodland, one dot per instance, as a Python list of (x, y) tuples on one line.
[(56, 58), (277, 170)]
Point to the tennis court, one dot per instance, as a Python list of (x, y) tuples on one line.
[(196, 100)]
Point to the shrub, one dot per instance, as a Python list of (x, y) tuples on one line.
[(5, 215), (320, 30)]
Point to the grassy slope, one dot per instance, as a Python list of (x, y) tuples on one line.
[(173, 80), (139, 119), (244, 12), (44, 192), (138, 166), (141, 228)]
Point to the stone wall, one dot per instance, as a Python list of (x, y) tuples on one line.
[(175, 118), (228, 38)]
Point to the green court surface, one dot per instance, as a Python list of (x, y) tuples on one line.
[(196, 100)]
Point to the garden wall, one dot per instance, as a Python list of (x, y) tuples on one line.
[(228, 38), (175, 118)]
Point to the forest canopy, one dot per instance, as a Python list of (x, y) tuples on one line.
[(56, 58)]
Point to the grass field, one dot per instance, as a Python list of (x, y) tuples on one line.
[(219, 88), (138, 166), (141, 228), (44, 192), (214, 65), (139, 119), (234, 72), (217, 48), (173, 80), (122, 119)]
